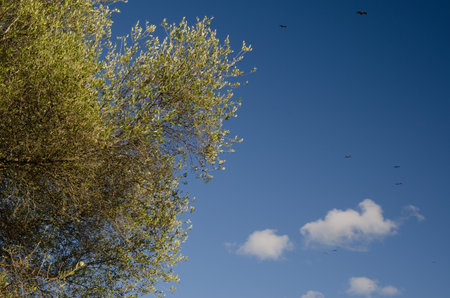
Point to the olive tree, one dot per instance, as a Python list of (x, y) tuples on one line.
[(95, 138)]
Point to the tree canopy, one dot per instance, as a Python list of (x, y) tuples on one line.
[(95, 138)]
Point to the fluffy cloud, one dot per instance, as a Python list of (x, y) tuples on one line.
[(265, 245), (350, 228), (363, 286), (313, 294)]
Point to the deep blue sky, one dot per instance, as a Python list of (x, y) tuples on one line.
[(333, 83)]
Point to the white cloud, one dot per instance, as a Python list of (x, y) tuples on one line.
[(363, 286), (265, 245), (313, 294), (350, 229), (389, 291), (412, 210)]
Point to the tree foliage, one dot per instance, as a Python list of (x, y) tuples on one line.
[(95, 137)]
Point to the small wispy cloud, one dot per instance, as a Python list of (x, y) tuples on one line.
[(230, 246), (313, 294), (412, 211), (389, 291), (349, 228), (266, 245), (363, 286)]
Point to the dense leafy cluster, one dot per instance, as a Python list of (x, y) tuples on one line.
[(94, 139)]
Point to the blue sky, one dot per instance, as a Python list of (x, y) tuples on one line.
[(333, 83)]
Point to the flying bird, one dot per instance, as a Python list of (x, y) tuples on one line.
[(283, 26), (396, 167), (398, 183), (361, 12), (348, 156)]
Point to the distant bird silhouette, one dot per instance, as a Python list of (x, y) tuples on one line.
[(333, 250), (283, 26), (396, 167), (361, 12), (398, 183), (348, 156)]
